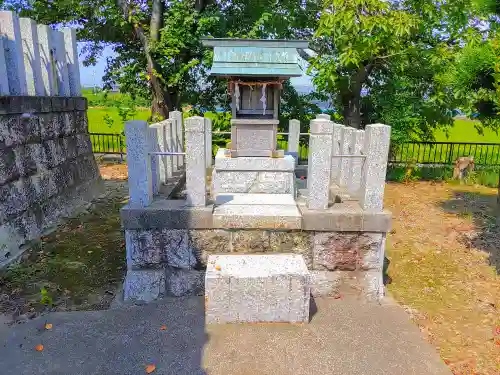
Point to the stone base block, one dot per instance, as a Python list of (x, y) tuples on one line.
[(257, 217), (147, 285), (257, 288), (253, 174)]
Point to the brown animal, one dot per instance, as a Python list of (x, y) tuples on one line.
[(463, 167)]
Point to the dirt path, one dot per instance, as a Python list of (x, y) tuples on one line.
[(444, 257)]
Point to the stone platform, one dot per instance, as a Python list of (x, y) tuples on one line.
[(257, 288), (262, 175), (262, 211)]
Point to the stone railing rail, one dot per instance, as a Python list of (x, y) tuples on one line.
[(36, 60)]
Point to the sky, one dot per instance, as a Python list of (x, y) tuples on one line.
[(92, 75)]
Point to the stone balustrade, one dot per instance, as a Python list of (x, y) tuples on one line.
[(155, 156), (354, 161), (36, 60)]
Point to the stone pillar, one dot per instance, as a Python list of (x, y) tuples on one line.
[(336, 137), (4, 79), (70, 47), (163, 131), (376, 149), (294, 138), (179, 137), (31, 56), (61, 66), (319, 166), (154, 146), (208, 141), (196, 180), (323, 116), (139, 163), (356, 164), (345, 149), (47, 60), (14, 61)]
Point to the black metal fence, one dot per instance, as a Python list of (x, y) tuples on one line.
[(444, 153), (104, 143), (434, 153)]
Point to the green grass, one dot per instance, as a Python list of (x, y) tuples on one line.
[(98, 125), (464, 131)]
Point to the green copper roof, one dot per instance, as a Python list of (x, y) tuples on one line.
[(252, 57)]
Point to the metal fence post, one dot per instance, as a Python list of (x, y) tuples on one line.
[(120, 145)]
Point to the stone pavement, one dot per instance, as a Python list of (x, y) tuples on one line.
[(344, 337)]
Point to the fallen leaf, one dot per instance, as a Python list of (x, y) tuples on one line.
[(338, 296), (39, 348), (150, 369), (163, 328), (218, 268), (48, 326)]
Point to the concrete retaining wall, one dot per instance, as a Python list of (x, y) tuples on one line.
[(47, 168)]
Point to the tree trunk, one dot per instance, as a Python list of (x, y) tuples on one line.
[(352, 110), (160, 99), (351, 97)]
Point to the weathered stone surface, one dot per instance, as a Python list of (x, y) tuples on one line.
[(174, 246), (143, 249), (325, 283), (293, 242), (254, 182), (250, 241), (341, 251), (181, 282), (146, 285), (257, 217), (257, 288), (207, 242)]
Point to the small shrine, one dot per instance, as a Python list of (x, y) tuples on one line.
[(255, 71)]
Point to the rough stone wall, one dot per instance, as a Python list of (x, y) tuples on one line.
[(47, 168), (353, 260)]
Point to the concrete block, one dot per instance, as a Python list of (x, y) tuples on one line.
[(257, 217), (162, 213), (146, 285), (31, 55), (319, 168), (376, 149), (139, 163), (250, 241), (257, 288), (208, 141), (254, 182), (345, 149), (264, 164), (294, 242), (4, 78), (178, 143), (174, 245), (13, 53), (60, 63), (70, 47), (47, 63), (325, 283), (196, 182), (253, 138), (323, 116)]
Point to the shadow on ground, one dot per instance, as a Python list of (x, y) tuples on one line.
[(482, 209)]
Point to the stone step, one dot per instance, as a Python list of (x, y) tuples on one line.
[(257, 288), (256, 211)]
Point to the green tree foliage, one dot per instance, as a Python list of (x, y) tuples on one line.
[(385, 61)]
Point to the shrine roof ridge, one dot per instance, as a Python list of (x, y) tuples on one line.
[(263, 43)]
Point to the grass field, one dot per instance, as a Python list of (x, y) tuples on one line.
[(96, 116), (464, 131)]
